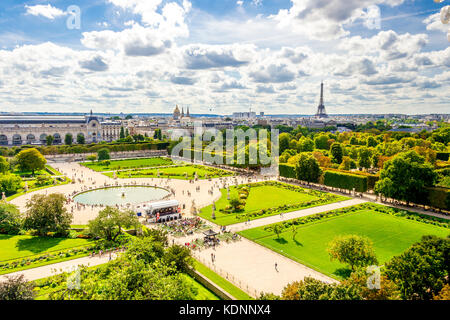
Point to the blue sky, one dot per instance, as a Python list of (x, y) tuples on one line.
[(225, 56)]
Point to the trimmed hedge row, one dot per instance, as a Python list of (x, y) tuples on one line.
[(287, 171), (371, 178), (94, 147), (444, 156), (345, 181), (438, 198)]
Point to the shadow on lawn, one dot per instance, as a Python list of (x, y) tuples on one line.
[(38, 244), (343, 272), (281, 241)]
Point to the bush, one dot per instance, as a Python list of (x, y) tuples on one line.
[(438, 198), (345, 181), (287, 171), (10, 183)]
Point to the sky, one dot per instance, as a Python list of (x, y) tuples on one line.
[(219, 57)]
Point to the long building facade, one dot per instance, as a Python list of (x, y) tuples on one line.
[(33, 129)]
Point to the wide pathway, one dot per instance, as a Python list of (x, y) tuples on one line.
[(292, 215)]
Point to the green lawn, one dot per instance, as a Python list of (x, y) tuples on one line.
[(173, 172), (42, 172), (266, 197), (202, 292), (128, 164), (391, 236), (221, 282), (13, 247)]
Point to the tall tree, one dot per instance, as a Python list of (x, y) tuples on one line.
[(405, 177), (68, 139), (110, 222), (307, 168), (4, 165), (47, 213), (336, 153), (423, 269), (49, 139), (122, 133), (354, 250), (81, 139), (30, 160)]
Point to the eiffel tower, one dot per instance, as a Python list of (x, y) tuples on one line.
[(321, 113)]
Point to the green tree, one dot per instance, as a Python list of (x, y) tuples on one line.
[(122, 133), (4, 165), (321, 141), (16, 288), (405, 177), (423, 269), (235, 203), (277, 229), (49, 139), (30, 160), (371, 141), (10, 183), (47, 213), (103, 154), (364, 157), (284, 140), (81, 139), (10, 219), (179, 257), (110, 223), (354, 250), (307, 168), (336, 153), (68, 139), (313, 289), (347, 163)]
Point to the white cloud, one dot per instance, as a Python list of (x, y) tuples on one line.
[(433, 22), (46, 11), (325, 19)]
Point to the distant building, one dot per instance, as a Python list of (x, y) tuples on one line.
[(33, 129), (176, 113), (244, 115)]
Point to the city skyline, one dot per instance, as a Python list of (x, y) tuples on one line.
[(136, 56)]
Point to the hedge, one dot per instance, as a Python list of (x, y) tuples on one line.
[(287, 171), (94, 147), (439, 198), (371, 178), (345, 181), (444, 156)]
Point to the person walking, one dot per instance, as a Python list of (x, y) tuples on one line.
[(276, 266)]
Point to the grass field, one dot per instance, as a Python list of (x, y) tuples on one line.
[(202, 292), (391, 236), (173, 172), (13, 247), (260, 197), (128, 164)]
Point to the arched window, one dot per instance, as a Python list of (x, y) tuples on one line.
[(57, 137), (3, 140), (43, 138), (31, 138), (17, 139)]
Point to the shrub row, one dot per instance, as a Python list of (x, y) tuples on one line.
[(345, 181)]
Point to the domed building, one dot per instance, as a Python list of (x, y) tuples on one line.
[(176, 113)]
